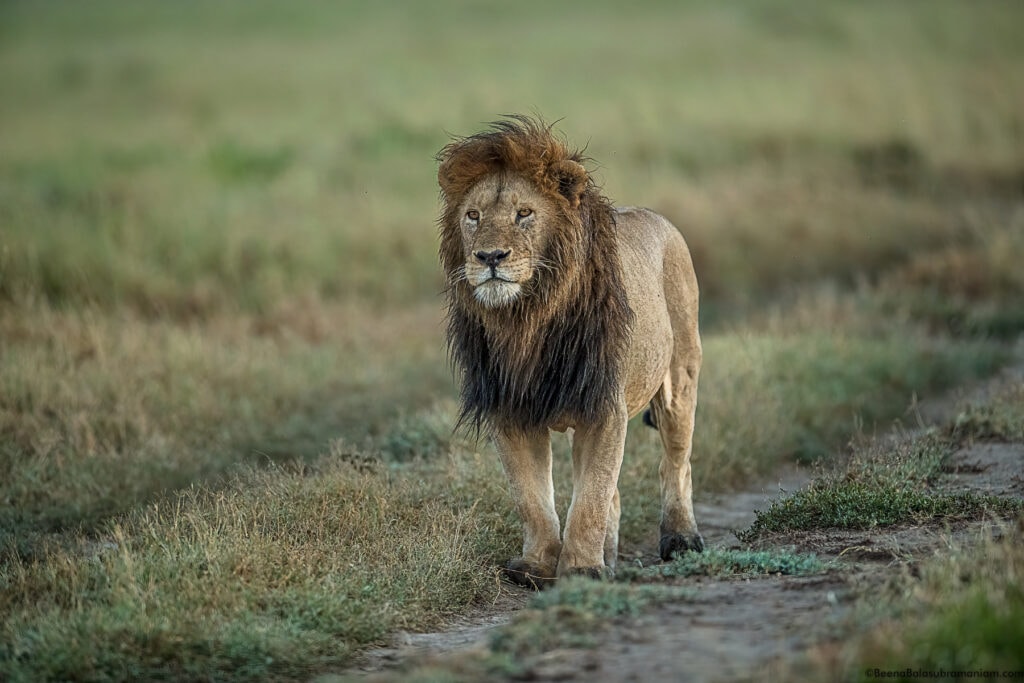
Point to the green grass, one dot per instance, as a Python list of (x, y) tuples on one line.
[(963, 612), (999, 418), (570, 616), (720, 563), (186, 188), (858, 505), (218, 253), (881, 488)]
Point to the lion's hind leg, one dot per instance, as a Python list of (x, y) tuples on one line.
[(673, 409)]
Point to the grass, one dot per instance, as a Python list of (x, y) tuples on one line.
[(723, 562), (286, 175), (957, 610), (569, 616), (102, 413), (866, 506), (963, 611), (999, 418), (565, 619), (279, 574), (882, 488), (225, 410)]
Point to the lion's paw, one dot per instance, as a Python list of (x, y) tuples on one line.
[(596, 573), (521, 572), (671, 544)]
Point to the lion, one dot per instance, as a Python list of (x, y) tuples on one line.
[(564, 312)]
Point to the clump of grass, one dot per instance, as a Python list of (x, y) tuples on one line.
[(965, 612), (572, 613), (601, 598), (880, 488), (861, 505), (998, 419), (720, 563)]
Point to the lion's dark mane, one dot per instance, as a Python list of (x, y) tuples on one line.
[(556, 353)]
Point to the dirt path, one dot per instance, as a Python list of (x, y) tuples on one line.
[(719, 515), (730, 629)]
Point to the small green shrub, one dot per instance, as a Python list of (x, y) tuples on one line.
[(880, 488), (570, 614), (724, 563)]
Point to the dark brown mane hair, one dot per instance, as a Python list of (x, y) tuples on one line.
[(556, 353)]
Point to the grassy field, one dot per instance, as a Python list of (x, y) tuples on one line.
[(225, 411)]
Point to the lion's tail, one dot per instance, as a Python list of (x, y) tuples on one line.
[(649, 419)]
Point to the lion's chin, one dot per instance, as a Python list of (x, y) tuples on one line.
[(496, 293)]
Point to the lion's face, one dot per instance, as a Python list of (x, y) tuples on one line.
[(506, 224)]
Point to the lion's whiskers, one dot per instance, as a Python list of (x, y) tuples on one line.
[(458, 275), (544, 264)]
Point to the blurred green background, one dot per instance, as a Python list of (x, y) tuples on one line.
[(183, 157)]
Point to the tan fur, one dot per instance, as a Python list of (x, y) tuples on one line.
[(521, 194)]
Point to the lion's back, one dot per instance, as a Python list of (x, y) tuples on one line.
[(652, 250)]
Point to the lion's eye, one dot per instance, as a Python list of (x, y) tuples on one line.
[(524, 213), (473, 215)]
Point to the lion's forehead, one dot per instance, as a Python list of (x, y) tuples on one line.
[(500, 190)]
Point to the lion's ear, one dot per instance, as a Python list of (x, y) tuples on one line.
[(444, 176), (572, 180)]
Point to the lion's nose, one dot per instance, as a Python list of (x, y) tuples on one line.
[(492, 258)]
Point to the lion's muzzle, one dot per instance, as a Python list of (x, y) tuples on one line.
[(492, 258)]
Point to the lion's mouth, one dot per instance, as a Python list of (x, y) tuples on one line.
[(479, 277), (496, 291)]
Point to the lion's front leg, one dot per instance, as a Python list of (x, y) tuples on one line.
[(590, 544), (527, 462)]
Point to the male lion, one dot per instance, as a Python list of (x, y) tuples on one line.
[(565, 312)]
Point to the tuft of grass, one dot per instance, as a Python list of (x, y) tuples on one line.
[(720, 563), (1000, 418), (880, 488), (861, 505), (603, 599), (570, 614)]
